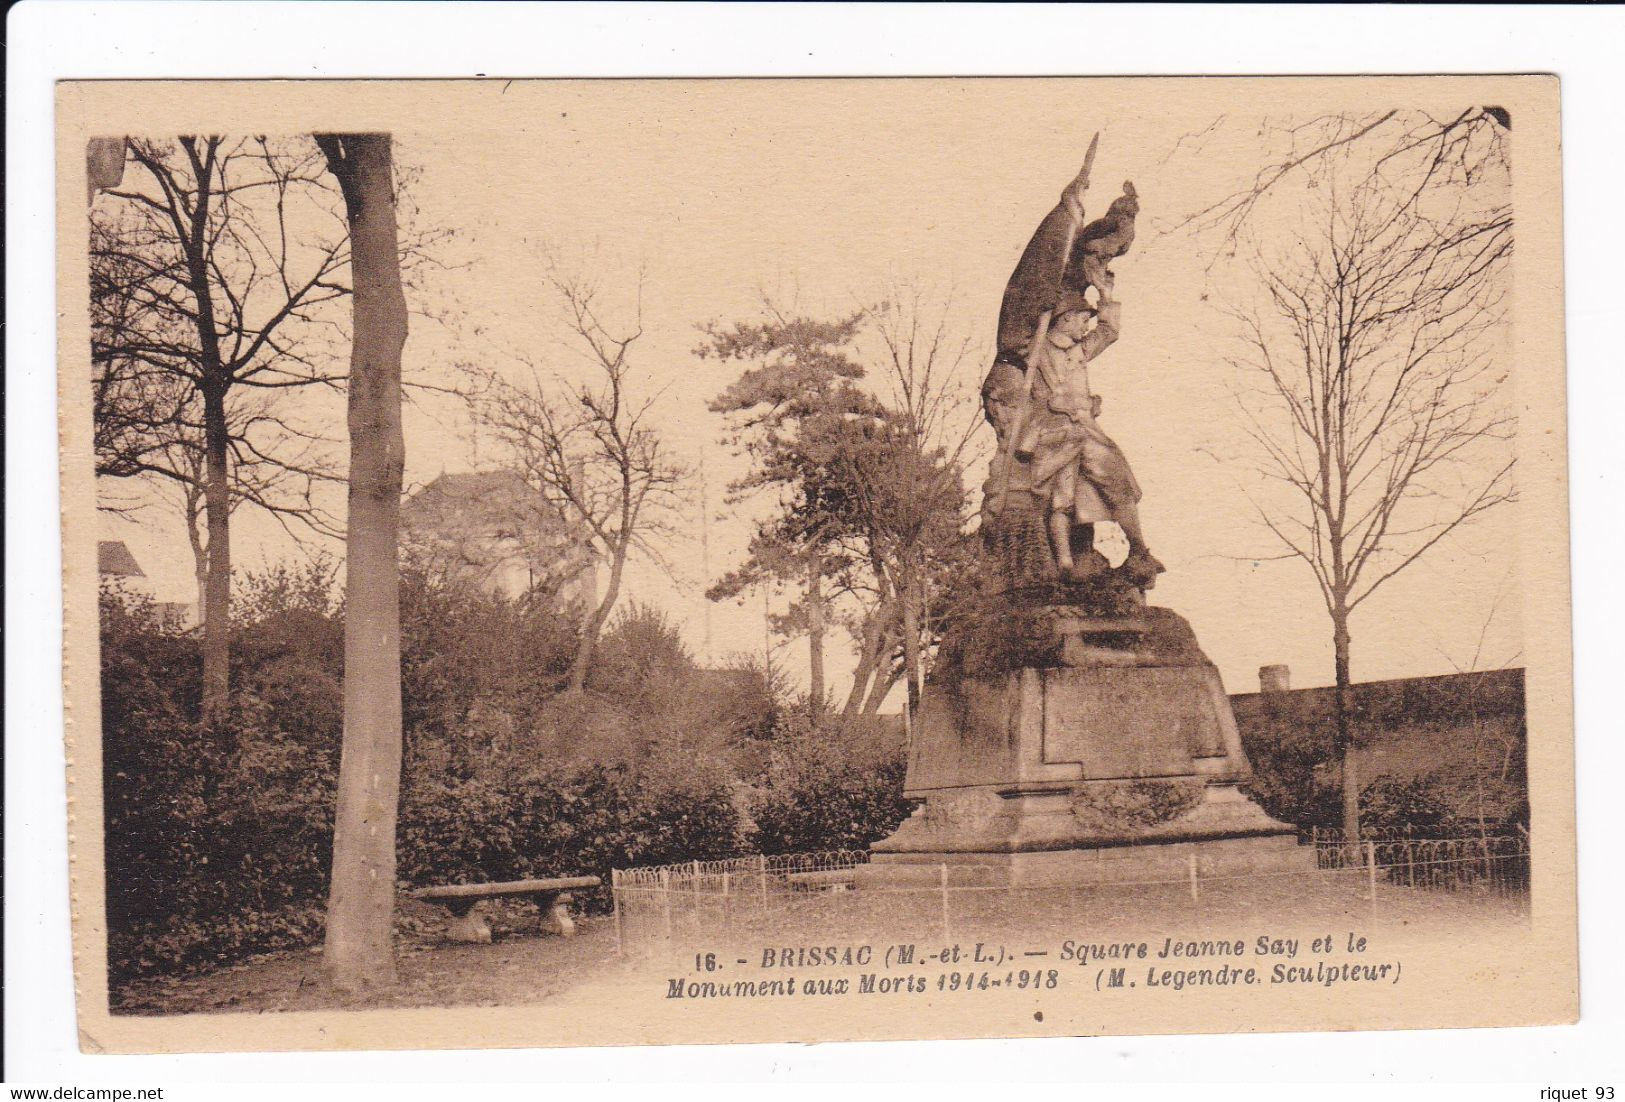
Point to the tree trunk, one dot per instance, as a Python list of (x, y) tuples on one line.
[(862, 674), (594, 626), (877, 644), (1478, 728), (200, 549), (1345, 727), (912, 659), (815, 634), (359, 950), (217, 587), (216, 381), (868, 663), (880, 691)]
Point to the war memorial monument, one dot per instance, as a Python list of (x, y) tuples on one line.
[(1071, 733)]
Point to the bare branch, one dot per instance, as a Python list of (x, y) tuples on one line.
[(1369, 363)]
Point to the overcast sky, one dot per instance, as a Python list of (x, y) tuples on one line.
[(826, 193)]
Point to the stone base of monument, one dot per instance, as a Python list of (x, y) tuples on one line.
[(1109, 754), (1039, 853)]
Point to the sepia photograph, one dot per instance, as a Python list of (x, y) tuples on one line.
[(583, 562)]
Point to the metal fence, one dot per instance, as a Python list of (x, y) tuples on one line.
[(672, 901), (784, 896), (1319, 835), (1498, 865)]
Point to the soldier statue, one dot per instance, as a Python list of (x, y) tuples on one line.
[(1057, 473)]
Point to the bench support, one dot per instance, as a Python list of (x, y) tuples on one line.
[(555, 911), (467, 923), (551, 896)]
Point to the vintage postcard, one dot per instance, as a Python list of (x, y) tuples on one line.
[(613, 562)]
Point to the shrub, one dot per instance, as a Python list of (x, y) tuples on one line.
[(1289, 779), (839, 787), (310, 586), (1417, 806), (564, 822), (641, 644), (468, 656), (217, 840), (215, 854), (1296, 778)]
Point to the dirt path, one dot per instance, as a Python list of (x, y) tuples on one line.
[(516, 970), (523, 968)]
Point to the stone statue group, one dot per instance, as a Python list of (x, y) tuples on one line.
[(1056, 473)]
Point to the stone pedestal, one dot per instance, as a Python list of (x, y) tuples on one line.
[(1110, 754)]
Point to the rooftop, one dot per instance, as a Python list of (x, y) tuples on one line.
[(112, 557)]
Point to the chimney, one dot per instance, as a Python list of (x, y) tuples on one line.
[(1274, 679)]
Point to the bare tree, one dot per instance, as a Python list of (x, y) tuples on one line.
[(494, 530), (272, 469), (1468, 145), (1507, 739), (1371, 367), (924, 355), (590, 449), (359, 952), (209, 275)]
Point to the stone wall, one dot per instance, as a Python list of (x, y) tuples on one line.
[(1453, 729)]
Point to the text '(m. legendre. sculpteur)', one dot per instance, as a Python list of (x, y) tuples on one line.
[(1069, 732)]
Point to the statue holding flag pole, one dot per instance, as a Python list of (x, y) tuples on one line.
[(1069, 732), (1057, 473)]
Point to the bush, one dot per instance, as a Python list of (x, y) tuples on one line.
[(641, 644), (645, 696), (580, 822), (310, 587), (1289, 779), (839, 787), (474, 664), (1417, 806), (1297, 778), (217, 840)]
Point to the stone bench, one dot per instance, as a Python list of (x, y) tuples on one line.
[(552, 899)]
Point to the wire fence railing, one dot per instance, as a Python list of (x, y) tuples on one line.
[(790, 895), (1480, 864), (1319, 835)]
